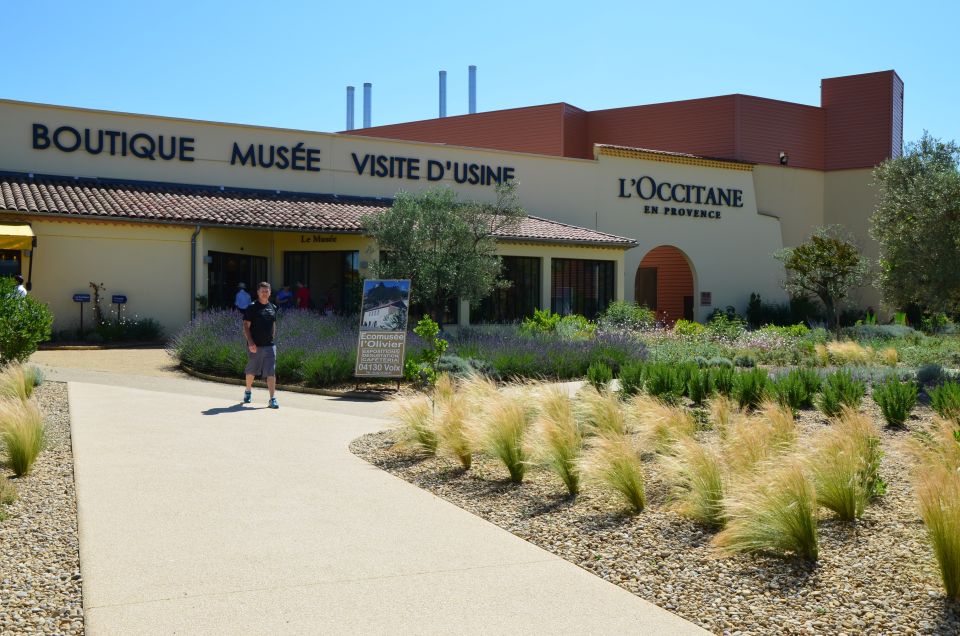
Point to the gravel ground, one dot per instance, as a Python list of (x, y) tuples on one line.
[(40, 583), (878, 576)]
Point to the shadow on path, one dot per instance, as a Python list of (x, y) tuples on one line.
[(233, 408)]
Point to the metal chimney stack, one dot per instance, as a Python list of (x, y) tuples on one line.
[(367, 89), (473, 89), (443, 93), (349, 107)]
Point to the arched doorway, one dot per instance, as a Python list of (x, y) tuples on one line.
[(664, 283)]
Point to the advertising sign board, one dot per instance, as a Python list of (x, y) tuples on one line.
[(383, 328)]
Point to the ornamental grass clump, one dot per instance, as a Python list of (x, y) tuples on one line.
[(896, 400), (750, 388), (16, 381), (937, 485), (700, 385), (559, 440), (889, 357), (23, 433), (503, 431), (849, 352), (845, 465), (603, 412), (451, 413), (839, 390), (723, 412), (415, 426), (8, 494), (660, 424), (774, 513), (769, 433), (696, 472), (945, 400), (614, 464)]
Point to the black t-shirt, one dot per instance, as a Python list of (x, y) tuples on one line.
[(261, 318)]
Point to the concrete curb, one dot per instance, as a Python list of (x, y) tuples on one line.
[(294, 388), (101, 347)]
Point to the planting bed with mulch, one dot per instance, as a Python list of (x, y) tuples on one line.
[(875, 576), (40, 582)]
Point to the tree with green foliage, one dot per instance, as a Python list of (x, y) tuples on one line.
[(446, 247), (827, 266), (917, 223), (25, 322)]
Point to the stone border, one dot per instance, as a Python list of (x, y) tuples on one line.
[(293, 388)]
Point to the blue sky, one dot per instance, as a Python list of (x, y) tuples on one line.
[(287, 63)]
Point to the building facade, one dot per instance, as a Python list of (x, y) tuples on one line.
[(165, 211)]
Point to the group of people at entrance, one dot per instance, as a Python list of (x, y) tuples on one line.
[(285, 298)]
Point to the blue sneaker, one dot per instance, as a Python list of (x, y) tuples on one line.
[(247, 397), (273, 403)]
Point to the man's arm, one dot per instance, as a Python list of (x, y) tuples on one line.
[(251, 345)]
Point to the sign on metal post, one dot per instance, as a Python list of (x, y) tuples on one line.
[(119, 300), (81, 298), (383, 328)]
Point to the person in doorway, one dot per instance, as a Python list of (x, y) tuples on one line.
[(242, 300), (260, 331), (20, 291), (285, 298), (302, 296)]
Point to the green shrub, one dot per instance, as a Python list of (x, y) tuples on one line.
[(750, 388), (23, 433), (575, 326), (896, 399), (745, 361), (929, 374), (797, 388), (624, 315), (328, 367), (945, 400), (728, 326), (791, 331), (701, 385), (631, 378), (700, 361), (723, 380), (688, 328), (839, 390), (599, 376), (542, 321), (665, 381), (289, 366), (776, 513), (24, 323), (721, 362)]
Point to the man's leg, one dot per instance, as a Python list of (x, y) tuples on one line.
[(250, 377), (271, 384)]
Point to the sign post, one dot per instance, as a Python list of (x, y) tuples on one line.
[(383, 329), (81, 298), (119, 300)]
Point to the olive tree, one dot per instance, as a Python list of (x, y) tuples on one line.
[(446, 247), (827, 266), (917, 223)]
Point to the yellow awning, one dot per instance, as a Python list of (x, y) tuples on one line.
[(16, 236)]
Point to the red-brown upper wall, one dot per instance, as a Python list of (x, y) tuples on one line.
[(858, 125), (861, 126), (536, 129)]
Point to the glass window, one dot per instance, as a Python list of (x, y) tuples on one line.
[(227, 270), (332, 278), (517, 301), (581, 286), (9, 262)]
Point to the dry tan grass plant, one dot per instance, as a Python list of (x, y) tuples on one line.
[(938, 496), (723, 413), (502, 430), (849, 352), (821, 355), (889, 357), (613, 462), (415, 427), (8, 494), (23, 433), (602, 411), (845, 465), (697, 473), (559, 440), (770, 432), (16, 381), (660, 424), (451, 417), (776, 513)]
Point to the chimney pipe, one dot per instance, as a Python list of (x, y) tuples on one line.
[(367, 88), (350, 107), (443, 93), (473, 89)]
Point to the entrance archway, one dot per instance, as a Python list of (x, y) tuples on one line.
[(664, 282)]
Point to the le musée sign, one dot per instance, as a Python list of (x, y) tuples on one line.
[(297, 157)]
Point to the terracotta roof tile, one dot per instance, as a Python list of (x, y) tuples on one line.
[(190, 205)]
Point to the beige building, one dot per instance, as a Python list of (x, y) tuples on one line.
[(165, 211)]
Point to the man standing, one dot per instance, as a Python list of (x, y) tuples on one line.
[(242, 300), (260, 329)]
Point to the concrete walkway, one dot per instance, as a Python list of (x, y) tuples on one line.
[(199, 516)]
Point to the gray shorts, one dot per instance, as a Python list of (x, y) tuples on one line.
[(263, 362)]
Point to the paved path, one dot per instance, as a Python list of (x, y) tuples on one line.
[(199, 516)]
